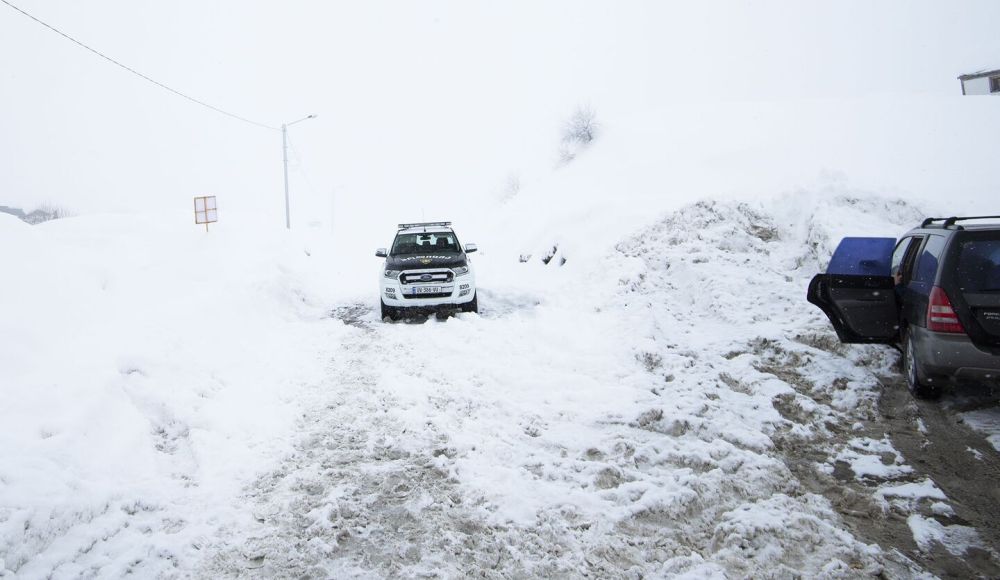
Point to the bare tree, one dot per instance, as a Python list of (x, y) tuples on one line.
[(578, 132), (511, 187), (53, 211), (581, 127)]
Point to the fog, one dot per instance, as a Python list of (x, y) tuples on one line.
[(425, 107)]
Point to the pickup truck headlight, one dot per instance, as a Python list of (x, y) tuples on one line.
[(392, 273), (461, 270)]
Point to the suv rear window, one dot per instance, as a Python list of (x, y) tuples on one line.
[(978, 264)]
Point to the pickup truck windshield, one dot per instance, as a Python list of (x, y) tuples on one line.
[(425, 243)]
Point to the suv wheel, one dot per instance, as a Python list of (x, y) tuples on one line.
[(911, 370)]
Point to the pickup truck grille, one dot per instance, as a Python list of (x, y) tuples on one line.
[(427, 277), (438, 295)]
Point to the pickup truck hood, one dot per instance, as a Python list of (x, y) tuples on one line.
[(425, 261)]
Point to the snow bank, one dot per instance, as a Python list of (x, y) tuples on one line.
[(929, 151), (149, 370)]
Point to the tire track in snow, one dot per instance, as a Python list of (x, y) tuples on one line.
[(961, 463), (367, 495), (350, 500)]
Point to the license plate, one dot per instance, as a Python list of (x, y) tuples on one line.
[(427, 290)]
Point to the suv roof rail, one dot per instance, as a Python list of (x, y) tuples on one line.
[(423, 225), (950, 221)]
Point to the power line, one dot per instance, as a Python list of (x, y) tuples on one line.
[(137, 73)]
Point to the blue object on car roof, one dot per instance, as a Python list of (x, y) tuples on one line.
[(862, 257)]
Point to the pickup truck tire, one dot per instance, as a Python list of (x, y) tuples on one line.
[(389, 312), (915, 382), (472, 306)]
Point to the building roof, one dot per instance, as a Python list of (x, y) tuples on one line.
[(980, 74)]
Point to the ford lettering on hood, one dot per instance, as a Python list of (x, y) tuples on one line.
[(421, 262)]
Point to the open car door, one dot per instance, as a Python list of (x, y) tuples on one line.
[(857, 292)]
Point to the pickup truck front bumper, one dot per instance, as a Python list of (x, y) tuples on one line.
[(407, 290)]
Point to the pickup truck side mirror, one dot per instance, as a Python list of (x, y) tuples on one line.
[(381, 253), (469, 248)]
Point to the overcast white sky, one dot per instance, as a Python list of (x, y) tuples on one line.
[(415, 98)]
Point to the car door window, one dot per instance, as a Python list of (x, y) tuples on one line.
[(897, 257), (903, 258), (930, 257)]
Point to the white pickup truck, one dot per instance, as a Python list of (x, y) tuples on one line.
[(426, 269)]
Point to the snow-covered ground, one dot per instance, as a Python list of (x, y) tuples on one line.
[(646, 391), (148, 370), (659, 403)]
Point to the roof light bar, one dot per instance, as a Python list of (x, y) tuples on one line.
[(423, 225)]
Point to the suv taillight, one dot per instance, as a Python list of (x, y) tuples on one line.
[(941, 316)]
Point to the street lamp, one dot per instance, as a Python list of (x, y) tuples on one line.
[(284, 151)]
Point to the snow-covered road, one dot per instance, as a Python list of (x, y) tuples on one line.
[(672, 418), (666, 406), (446, 448)]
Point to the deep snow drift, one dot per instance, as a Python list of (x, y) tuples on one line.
[(224, 404)]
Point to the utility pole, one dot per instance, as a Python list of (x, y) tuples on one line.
[(284, 154)]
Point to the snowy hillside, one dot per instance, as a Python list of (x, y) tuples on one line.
[(663, 402)]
